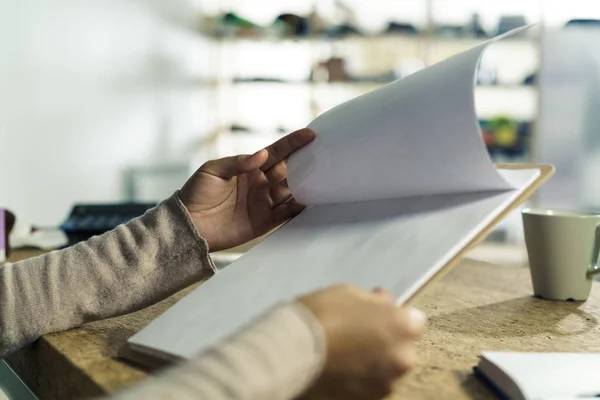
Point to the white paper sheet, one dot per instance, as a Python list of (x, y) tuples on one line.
[(396, 243), (416, 136)]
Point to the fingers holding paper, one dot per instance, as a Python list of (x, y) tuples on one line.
[(275, 169), (284, 147), (230, 167), (272, 160), (274, 166), (283, 204), (247, 194)]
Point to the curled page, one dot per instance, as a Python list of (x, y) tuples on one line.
[(416, 136)]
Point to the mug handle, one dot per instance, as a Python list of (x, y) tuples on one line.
[(594, 268)]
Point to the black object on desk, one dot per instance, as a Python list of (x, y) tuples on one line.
[(87, 220), (583, 23), (7, 222)]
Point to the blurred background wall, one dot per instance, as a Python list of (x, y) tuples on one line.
[(119, 100), (91, 89)]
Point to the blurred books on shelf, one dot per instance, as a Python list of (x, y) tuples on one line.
[(583, 23), (280, 69), (314, 25)]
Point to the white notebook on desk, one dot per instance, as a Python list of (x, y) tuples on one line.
[(398, 184), (542, 376)]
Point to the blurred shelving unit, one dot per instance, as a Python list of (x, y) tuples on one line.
[(259, 83), (266, 84)]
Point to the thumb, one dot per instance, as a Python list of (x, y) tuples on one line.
[(229, 167)]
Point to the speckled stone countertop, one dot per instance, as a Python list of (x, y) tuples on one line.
[(478, 306)]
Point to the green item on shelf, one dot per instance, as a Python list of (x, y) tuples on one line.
[(505, 129), (235, 20)]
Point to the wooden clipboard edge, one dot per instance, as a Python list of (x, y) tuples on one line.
[(546, 171)]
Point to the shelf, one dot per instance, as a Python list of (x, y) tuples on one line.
[(374, 84), (312, 39), (308, 84), (297, 101), (365, 39)]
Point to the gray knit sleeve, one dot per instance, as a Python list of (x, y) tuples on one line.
[(276, 358), (124, 270)]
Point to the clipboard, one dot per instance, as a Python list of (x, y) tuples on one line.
[(248, 284), (398, 224)]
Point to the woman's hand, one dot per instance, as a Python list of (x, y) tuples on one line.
[(236, 199), (370, 342)]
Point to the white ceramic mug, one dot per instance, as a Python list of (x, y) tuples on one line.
[(564, 251)]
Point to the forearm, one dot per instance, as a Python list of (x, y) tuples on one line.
[(277, 358), (129, 268)]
